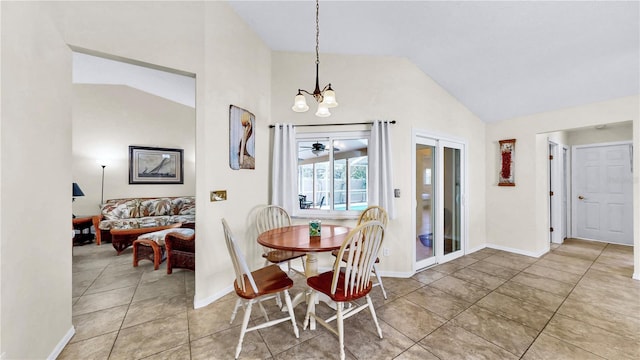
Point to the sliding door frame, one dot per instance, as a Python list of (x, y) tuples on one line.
[(420, 137)]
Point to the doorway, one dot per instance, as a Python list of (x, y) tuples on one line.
[(603, 185), (558, 190), (439, 192)]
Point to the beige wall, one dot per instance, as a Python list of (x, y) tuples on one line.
[(35, 197), (232, 66), (529, 196), (610, 133), (388, 88), (109, 118)]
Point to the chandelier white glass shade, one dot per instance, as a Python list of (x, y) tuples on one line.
[(326, 98)]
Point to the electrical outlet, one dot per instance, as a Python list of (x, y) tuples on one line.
[(385, 252), (219, 195)]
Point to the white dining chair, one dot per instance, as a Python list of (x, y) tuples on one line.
[(256, 286), (373, 213), (345, 284), (273, 217)]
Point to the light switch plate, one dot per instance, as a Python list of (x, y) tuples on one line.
[(219, 195)]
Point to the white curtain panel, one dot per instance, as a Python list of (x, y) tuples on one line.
[(381, 167), (285, 167)]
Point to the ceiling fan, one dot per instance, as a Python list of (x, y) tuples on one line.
[(318, 148)]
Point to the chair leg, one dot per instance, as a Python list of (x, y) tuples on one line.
[(264, 312), (243, 330), (373, 315), (310, 302), (235, 310), (340, 324), (304, 267), (375, 271), (287, 299)]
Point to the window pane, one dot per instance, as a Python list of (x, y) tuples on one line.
[(351, 172), (358, 176), (333, 172), (323, 184)]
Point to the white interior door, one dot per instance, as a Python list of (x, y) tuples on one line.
[(556, 194), (603, 192), (565, 193)]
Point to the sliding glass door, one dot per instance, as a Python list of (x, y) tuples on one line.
[(425, 166), (439, 193), (451, 198)]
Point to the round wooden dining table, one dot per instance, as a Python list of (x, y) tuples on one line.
[(296, 238)]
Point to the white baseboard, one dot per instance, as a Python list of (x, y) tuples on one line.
[(470, 251), (396, 274), (636, 276), (518, 251), (208, 300), (62, 343)]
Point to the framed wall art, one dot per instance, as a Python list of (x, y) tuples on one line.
[(507, 156), (242, 148), (151, 165)]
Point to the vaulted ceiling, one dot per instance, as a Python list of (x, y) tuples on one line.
[(501, 59)]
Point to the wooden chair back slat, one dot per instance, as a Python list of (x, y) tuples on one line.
[(237, 258), (361, 247), (374, 213), (272, 217)]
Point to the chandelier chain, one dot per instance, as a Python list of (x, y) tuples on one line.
[(317, 32)]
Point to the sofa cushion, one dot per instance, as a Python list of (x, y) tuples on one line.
[(185, 205), (148, 221), (158, 236), (121, 209), (155, 207), (185, 219)]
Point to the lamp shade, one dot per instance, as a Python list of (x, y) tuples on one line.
[(77, 191), (323, 110), (300, 104), (330, 98)]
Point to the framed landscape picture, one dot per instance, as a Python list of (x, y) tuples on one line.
[(151, 165)]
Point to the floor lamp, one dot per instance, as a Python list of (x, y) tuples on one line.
[(102, 193)]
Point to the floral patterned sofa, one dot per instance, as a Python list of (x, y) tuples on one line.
[(133, 213)]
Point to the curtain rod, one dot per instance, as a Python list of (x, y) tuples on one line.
[(358, 123)]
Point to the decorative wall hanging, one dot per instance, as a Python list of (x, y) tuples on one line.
[(242, 142), (507, 165), (150, 165)]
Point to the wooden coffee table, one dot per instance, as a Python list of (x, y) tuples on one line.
[(123, 238)]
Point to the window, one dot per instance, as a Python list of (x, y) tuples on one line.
[(333, 171)]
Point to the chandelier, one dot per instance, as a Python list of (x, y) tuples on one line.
[(326, 97)]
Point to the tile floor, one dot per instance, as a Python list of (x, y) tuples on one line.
[(576, 302)]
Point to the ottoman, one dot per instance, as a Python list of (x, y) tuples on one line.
[(150, 246)]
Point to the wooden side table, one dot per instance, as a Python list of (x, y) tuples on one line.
[(82, 223)]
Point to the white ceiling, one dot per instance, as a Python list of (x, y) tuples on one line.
[(502, 59)]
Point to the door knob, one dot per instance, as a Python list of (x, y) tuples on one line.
[(580, 197)]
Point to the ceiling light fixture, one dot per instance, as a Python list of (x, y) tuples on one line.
[(326, 97)]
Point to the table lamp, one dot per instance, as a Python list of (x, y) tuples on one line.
[(75, 193)]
